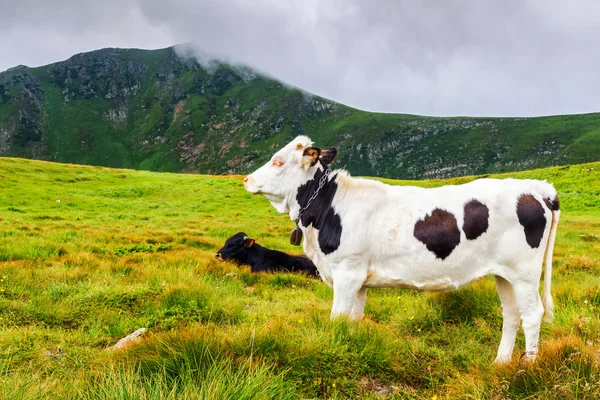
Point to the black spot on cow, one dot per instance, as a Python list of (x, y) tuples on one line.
[(476, 219), (244, 250), (320, 213), (531, 215), (439, 232), (553, 205)]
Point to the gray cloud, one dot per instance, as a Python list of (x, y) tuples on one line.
[(37, 32), (432, 57)]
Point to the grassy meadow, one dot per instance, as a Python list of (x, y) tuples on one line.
[(90, 254)]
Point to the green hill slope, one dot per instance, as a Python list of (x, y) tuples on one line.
[(155, 110)]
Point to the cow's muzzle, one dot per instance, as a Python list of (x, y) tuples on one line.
[(219, 257), (250, 185)]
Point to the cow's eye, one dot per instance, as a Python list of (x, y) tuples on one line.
[(277, 163)]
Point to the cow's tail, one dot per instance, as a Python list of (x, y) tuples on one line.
[(546, 295)]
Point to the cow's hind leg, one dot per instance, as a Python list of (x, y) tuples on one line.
[(530, 305), (510, 320)]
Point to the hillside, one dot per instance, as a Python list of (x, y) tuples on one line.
[(90, 254), (156, 110)]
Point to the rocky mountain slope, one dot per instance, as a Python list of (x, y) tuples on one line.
[(160, 111)]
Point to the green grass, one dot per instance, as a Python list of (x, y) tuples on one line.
[(90, 254)]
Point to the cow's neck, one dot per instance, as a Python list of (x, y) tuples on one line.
[(255, 254), (320, 213), (311, 199)]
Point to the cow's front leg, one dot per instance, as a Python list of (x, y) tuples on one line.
[(346, 288), (358, 310)]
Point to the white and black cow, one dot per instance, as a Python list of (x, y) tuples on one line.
[(362, 233), (241, 249)]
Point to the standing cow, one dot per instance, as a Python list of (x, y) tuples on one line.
[(362, 233)]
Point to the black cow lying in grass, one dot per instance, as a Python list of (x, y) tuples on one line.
[(243, 250)]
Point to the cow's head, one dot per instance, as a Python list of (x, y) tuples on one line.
[(279, 179), (235, 248)]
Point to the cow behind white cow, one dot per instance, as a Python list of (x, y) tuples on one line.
[(362, 233)]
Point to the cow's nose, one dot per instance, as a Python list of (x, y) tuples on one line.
[(250, 184), (218, 255)]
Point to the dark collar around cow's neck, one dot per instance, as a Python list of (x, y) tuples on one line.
[(322, 183)]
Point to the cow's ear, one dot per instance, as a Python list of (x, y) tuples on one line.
[(310, 156), (328, 155), (249, 243)]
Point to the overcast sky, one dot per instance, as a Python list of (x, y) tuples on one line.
[(431, 57)]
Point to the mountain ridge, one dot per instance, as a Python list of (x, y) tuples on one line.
[(161, 111)]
